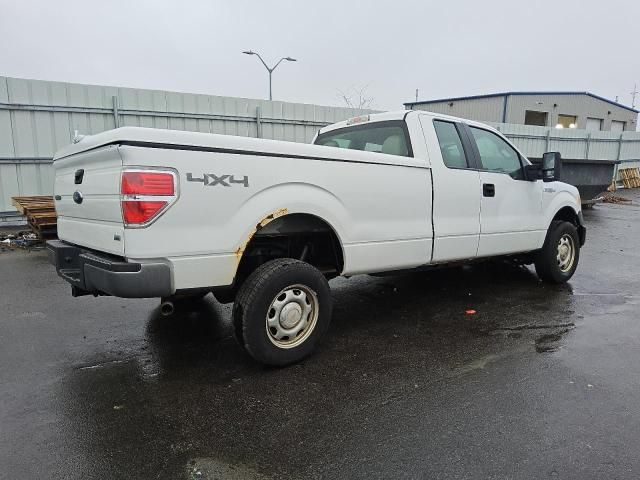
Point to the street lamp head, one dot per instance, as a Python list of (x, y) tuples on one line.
[(269, 69)]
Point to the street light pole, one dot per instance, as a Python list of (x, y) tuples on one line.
[(270, 70)]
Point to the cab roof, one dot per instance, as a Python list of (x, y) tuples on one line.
[(398, 115), (371, 117)]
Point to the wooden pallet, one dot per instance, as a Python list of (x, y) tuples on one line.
[(630, 177), (35, 203), (40, 212)]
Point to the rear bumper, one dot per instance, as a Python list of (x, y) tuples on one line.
[(89, 272)]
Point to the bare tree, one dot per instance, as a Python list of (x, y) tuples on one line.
[(355, 97)]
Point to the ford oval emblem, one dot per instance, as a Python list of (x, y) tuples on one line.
[(77, 197)]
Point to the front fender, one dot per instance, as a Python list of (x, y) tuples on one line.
[(558, 202), (566, 199)]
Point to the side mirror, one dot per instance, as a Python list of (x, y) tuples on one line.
[(551, 166), (532, 172)]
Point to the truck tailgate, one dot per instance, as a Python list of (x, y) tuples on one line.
[(87, 193)]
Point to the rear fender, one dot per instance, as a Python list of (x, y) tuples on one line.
[(286, 199)]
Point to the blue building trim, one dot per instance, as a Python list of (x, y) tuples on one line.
[(508, 94)]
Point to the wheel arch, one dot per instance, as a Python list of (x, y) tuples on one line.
[(300, 223), (566, 213), (562, 205), (286, 232), (285, 199)]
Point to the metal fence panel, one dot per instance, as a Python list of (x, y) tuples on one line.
[(8, 184), (533, 141), (6, 136), (38, 117)]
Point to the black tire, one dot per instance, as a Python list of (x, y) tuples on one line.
[(546, 262), (276, 286)]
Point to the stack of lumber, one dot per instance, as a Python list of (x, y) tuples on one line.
[(40, 212), (630, 177)]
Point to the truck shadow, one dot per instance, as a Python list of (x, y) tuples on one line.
[(494, 299), (189, 391), (198, 333), (479, 298)]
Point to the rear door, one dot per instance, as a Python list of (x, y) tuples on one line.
[(456, 191), (511, 207), (87, 199)]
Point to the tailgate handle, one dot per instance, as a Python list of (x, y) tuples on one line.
[(79, 175)]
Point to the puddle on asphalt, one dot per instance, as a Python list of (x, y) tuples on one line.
[(549, 342), (211, 469)]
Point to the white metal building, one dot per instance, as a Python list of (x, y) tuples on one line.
[(581, 110)]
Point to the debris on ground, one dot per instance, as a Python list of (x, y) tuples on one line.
[(610, 198), (24, 239)]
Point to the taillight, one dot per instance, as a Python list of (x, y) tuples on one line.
[(145, 195), (147, 183), (138, 211)]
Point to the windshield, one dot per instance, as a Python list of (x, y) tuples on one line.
[(382, 137)]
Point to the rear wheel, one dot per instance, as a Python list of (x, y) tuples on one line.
[(282, 311), (558, 259)]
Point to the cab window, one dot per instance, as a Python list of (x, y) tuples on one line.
[(450, 145), (496, 155), (382, 137)]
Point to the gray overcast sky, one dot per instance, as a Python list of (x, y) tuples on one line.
[(443, 48)]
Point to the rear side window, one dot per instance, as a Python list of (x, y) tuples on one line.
[(450, 145), (382, 137), (496, 155)]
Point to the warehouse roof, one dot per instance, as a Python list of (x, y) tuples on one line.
[(508, 94)]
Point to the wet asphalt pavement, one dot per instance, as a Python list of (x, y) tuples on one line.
[(542, 382)]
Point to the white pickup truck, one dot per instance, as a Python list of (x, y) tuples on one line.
[(265, 224)]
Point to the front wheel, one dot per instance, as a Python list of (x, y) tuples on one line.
[(558, 259), (282, 311)]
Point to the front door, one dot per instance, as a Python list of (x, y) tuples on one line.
[(511, 206)]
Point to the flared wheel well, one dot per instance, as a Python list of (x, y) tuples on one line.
[(566, 214), (302, 236)]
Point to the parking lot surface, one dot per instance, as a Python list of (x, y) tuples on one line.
[(541, 382)]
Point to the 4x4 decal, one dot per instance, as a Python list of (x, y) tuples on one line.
[(211, 180)]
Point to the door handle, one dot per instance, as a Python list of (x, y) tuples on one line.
[(488, 190)]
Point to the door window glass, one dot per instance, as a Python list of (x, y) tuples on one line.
[(497, 155), (450, 145)]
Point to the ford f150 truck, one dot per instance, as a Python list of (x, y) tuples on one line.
[(265, 224)]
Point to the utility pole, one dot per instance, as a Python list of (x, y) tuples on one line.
[(633, 95), (416, 95)]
